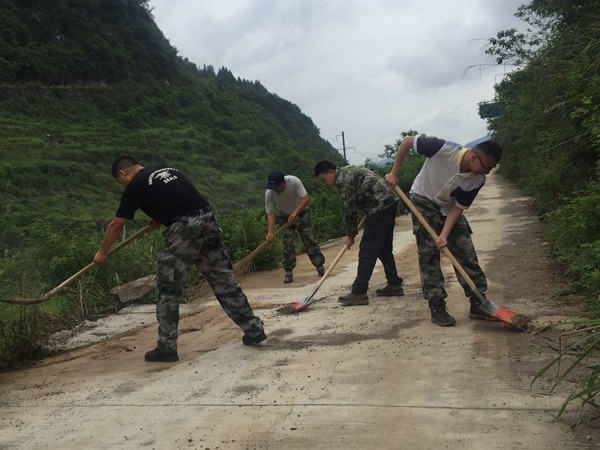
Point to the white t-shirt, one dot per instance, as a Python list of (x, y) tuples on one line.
[(440, 179), (287, 200)]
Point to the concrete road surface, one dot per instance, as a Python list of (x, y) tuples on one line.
[(379, 376)]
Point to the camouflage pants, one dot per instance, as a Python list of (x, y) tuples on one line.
[(305, 230), (459, 243), (197, 241)]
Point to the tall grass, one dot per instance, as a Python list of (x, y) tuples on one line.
[(579, 352)]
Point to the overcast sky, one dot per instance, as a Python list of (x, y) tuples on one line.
[(369, 68)]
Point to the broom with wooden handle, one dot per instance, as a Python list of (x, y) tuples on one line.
[(64, 284), (243, 266)]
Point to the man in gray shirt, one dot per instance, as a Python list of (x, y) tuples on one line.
[(286, 201)]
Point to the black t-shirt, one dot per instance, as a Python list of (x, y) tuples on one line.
[(162, 192)]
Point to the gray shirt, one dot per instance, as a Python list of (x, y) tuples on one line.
[(288, 200)]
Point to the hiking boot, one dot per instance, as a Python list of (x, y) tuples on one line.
[(439, 314), (354, 299), (390, 291), (476, 312), (289, 277), (320, 271), (156, 355), (248, 340)]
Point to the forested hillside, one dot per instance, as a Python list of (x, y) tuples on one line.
[(86, 81)]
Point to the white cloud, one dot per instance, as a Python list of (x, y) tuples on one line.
[(370, 68)]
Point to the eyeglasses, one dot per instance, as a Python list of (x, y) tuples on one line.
[(482, 164)]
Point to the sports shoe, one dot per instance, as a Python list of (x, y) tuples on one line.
[(248, 340), (354, 299), (289, 277), (321, 271), (390, 291), (439, 314), (156, 355)]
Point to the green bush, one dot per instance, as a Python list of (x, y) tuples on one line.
[(21, 329), (243, 232), (573, 230), (327, 214)]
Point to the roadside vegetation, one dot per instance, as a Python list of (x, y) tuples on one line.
[(549, 128)]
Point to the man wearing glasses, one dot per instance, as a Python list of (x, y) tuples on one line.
[(447, 184)]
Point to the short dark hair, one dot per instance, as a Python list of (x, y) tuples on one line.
[(124, 162), (491, 148), (324, 167)]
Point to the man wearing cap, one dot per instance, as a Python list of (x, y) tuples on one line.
[(286, 201)]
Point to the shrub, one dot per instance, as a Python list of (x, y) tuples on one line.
[(573, 230)]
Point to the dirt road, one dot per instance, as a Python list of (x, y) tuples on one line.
[(379, 376)]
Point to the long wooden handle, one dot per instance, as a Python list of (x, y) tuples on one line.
[(77, 275), (434, 235), (338, 257), (244, 262), (90, 266)]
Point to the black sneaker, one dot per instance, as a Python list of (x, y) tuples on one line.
[(248, 340), (321, 271), (439, 314), (289, 277), (156, 355)]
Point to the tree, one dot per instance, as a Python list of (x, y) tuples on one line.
[(390, 150)]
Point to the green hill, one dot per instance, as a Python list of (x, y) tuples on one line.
[(84, 82)]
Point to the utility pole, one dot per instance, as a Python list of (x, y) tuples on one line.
[(344, 146)]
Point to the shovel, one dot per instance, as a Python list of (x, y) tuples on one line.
[(495, 311), (303, 304), (61, 286)]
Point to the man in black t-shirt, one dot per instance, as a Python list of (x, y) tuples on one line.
[(192, 237)]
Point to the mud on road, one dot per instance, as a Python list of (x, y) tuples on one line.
[(378, 376)]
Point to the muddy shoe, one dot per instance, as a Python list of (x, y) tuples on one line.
[(289, 277), (156, 355), (439, 314), (321, 271), (476, 312), (247, 340), (354, 299), (390, 291)]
